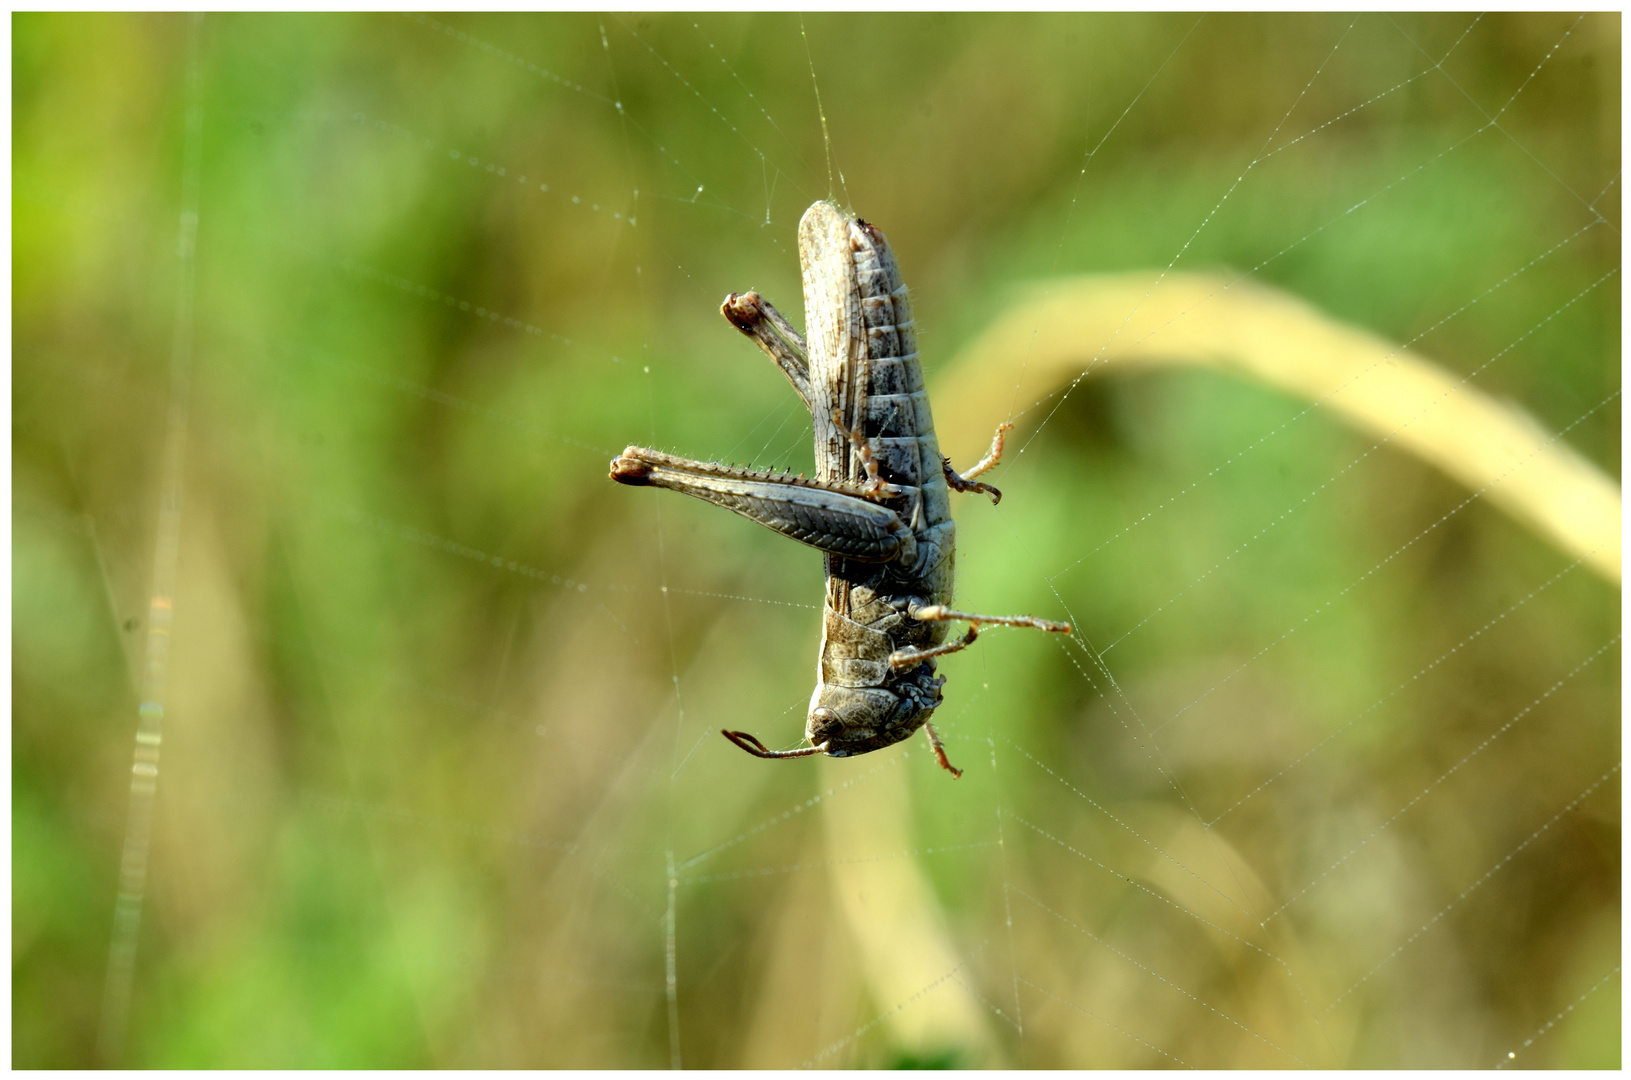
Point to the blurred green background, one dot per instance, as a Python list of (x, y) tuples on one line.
[(441, 783)]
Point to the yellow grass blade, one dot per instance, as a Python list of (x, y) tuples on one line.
[(1385, 390)]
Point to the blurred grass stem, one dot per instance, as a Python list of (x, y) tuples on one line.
[(1079, 326), (144, 771)]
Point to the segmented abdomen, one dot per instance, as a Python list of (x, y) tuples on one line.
[(895, 416)]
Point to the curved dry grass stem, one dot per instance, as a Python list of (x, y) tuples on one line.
[(1384, 389), (900, 928)]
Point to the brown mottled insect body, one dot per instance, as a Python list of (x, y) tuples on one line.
[(879, 507), (863, 702)]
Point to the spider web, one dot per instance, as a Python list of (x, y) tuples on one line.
[(1326, 775)]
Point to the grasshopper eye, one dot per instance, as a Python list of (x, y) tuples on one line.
[(824, 722)]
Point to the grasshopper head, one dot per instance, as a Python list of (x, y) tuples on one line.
[(856, 720)]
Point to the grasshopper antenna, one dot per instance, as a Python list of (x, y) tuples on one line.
[(758, 749)]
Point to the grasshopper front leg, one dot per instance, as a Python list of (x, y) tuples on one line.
[(827, 516), (965, 481), (905, 658)]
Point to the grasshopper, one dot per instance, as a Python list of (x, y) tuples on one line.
[(879, 507)]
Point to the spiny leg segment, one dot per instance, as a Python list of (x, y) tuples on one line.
[(941, 613), (905, 658)]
